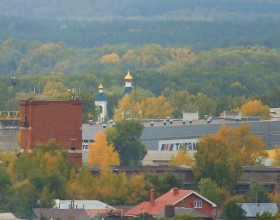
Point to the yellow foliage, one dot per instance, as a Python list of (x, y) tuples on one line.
[(101, 153), (54, 91), (275, 197), (110, 58), (49, 47), (242, 143), (182, 55), (156, 108), (255, 108), (182, 158), (275, 154), (136, 188), (82, 185), (128, 108)]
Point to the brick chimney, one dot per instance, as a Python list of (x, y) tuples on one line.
[(152, 196), (175, 191)]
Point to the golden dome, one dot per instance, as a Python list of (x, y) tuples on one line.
[(128, 77), (100, 86)]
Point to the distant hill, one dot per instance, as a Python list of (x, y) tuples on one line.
[(142, 9), (196, 24)]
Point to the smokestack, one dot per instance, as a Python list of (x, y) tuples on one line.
[(175, 191), (152, 196)]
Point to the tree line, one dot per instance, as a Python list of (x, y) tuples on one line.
[(219, 77), (203, 33), (35, 179)]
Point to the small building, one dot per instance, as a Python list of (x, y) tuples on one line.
[(252, 209), (156, 158), (175, 198), (190, 116)]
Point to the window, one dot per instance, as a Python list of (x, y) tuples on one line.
[(183, 203), (198, 204), (73, 144)]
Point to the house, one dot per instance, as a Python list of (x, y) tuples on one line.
[(252, 209), (168, 202)]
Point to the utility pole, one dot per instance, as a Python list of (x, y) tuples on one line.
[(14, 83)]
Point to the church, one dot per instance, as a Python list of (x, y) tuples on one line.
[(101, 103)]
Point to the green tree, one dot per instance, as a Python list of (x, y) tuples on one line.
[(25, 199), (6, 190), (39, 177), (258, 194), (210, 190), (163, 183), (183, 217), (221, 156), (145, 216), (125, 137), (233, 211), (89, 109), (265, 216), (215, 160)]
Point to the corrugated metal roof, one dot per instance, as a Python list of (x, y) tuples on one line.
[(82, 204), (252, 209)]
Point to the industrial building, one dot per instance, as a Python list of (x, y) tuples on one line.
[(58, 121), (170, 135)]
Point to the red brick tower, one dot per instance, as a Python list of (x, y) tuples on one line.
[(59, 121)]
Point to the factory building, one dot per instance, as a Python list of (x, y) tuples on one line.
[(171, 135), (58, 121)]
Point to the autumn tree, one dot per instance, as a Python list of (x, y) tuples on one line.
[(55, 91), (156, 108), (221, 156), (255, 108), (125, 137), (136, 185), (40, 177), (101, 153), (215, 160), (110, 58), (127, 108), (182, 158), (81, 184), (276, 156)]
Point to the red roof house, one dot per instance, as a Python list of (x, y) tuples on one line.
[(177, 198)]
